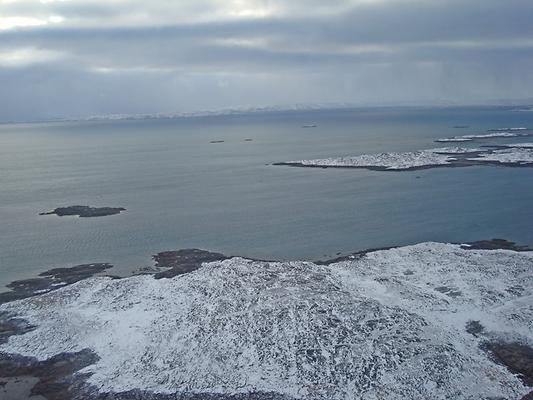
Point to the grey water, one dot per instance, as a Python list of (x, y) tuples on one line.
[(182, 191)]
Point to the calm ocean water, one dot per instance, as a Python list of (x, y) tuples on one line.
[(182, 191)]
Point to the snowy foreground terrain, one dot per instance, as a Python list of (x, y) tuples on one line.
[(389, 324)]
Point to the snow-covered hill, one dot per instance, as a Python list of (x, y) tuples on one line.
[(390, 324)]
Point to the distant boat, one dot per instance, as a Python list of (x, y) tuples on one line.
[(460, 126), (309, 126)]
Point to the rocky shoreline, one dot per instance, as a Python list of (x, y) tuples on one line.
[(50, 280), (63, 377)]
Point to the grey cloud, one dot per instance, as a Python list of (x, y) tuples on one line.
[(382, 51)]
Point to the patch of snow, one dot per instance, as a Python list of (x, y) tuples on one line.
[(357, 329)]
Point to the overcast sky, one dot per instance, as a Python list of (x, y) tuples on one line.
[(64, 58)]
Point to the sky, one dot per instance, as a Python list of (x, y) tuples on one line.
[(76, 58)]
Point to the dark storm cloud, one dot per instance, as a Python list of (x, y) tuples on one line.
[(352, 51)]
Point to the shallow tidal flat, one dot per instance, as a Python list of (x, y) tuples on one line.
[(432, 320)]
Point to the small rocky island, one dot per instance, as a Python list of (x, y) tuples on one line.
[(85, 211)]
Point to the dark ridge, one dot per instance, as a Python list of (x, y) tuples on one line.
[(85, 211), (50, 280)]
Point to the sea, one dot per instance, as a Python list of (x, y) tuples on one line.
[(183, 191)]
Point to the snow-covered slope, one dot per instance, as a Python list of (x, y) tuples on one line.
[(387, 325)]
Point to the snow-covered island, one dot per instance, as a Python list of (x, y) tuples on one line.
[(520, 128), (514, 155), (429, 321), (494, 134), (454, 139), (393, 161), (522, 145)]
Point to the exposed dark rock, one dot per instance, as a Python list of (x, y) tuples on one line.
[(55, 375), (449, 291), (528, 396), (495, 244), (10, 326), (183, 261), (517, 357), (85, 211), (351, 257), (51, 280), (474, 328)]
